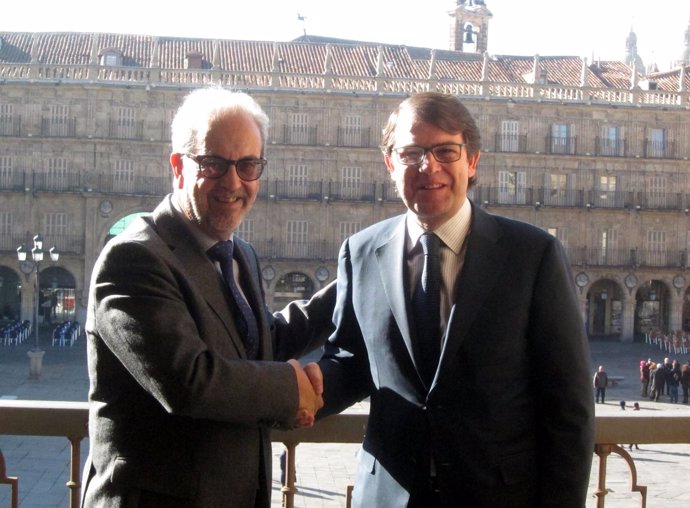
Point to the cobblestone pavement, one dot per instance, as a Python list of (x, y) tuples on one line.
[(324, 470)]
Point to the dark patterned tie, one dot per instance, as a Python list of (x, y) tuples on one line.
[(244, 317), (427, 308)]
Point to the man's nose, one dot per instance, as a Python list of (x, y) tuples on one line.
[(429, 164), (231, 178)]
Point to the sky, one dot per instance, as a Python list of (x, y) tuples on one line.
[(596, 29)]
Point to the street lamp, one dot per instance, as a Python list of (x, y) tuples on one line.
[(28, 267)]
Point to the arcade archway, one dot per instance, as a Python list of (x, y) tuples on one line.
[(10, 294), (652, 306), (121, 224), (605, 310), (57, 300), (292, 286)]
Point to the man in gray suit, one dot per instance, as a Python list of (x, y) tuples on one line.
[(464, 329), (183, 389)]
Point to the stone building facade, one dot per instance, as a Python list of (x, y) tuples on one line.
[(595, 153)]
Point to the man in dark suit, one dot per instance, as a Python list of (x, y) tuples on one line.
[(488, 403), (182, 390)]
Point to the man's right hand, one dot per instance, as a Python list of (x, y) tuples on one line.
[(310, 386)]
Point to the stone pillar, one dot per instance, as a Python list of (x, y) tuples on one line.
[(628, 332), (675, 317)]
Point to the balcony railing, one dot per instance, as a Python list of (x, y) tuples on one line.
[(69, 420), (59, 128), (262, 80), (634, 258), (356, 138)]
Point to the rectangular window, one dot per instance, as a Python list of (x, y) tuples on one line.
[(297, 237), (59, 120), (297, 177), (657, 143), (299, 128), (606, 196), (556, 189), (126, 123), (512, 187), (347, 229), (56, 178), (56, 225), (657, 191), (6, 172), (510, 136), (7, 242), (124, 175), (352, 132), (6, 119), (246, 230), (561, 140), (608, 247), (351, 182), (656, 248), (611, 142)]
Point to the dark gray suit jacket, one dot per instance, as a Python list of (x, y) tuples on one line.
[(509, 417), (178, 415)]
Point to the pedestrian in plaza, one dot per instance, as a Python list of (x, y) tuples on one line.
[(600, 383), (685, 380), (644, 378), (442, 316), (668, 367), (657, 380), (673, 380), (184, 389)]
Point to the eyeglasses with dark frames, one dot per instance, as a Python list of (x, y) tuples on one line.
[(414, 155), (212, 166)]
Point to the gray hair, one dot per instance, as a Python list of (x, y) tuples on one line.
[(202, 107)]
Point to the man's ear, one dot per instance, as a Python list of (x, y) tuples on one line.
[(389, 163), (472, 162), (177, 166)]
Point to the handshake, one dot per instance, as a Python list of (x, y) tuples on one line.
[(310, 386)]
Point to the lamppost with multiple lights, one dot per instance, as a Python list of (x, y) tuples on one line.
[(28, 267)]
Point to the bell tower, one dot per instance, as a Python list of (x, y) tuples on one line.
[(470, 26)]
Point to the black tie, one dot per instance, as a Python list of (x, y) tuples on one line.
[(244, 317), (427, 308)]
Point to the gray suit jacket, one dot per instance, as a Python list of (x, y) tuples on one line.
[(509, 416), (178, 415)]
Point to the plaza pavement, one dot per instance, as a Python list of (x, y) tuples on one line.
[(324, 470)]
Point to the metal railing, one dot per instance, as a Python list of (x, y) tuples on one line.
[(69, 419)]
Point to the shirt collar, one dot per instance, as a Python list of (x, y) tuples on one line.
[(452, 232)]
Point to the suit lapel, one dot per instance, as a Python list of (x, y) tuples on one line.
[(184, 246), (478, 279), (390, 256)]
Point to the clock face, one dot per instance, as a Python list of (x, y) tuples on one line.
[(678, 281), (581, 279), (268, 273), (631, 281), (105, 207), (322, 273)]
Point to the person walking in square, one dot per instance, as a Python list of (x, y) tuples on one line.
[(600, 382)]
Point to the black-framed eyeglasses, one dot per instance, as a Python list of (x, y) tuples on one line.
[(414, 155), (212, 166)]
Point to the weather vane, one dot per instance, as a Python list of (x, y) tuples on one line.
[(302, 19)]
